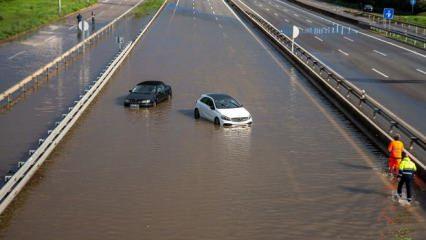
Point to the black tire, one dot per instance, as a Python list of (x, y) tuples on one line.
[(196, 114), (217, 121)]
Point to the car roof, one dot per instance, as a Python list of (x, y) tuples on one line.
[(216, 96), (151, 83)]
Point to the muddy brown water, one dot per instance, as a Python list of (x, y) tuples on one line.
[(300, 172)]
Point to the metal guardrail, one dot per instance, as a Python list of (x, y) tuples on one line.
[(417, 41), (407, 36), (16, 182), (420, 30), (64, 59), (382, 119)]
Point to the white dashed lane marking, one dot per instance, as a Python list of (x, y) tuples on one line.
[(350, 40), (384, 55), (16, 54), (319, 39), (377, 71), (344, 53), (421, 71)]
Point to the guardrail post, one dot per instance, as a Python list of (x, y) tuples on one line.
[(7, 178), (20, 164), (392, 125), (376, 111), (412, 140), (362, 98)]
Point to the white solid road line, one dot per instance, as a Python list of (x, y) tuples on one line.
[(384, 55), (15, 55), (319, 39), (377, 71), (421, 71), (72, 27), (344, 53), (309, 21), (362, 33), (350, 40)]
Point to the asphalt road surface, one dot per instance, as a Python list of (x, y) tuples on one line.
[(392, 73), (300, 172), (21, 57)]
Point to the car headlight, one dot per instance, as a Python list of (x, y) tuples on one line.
[(146, 101), (225, 118), (127, 101)]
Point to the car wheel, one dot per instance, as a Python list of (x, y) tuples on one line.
[(216, 121), (196, 114)]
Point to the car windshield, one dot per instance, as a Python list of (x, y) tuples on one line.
[(144, 89), (224, 101)]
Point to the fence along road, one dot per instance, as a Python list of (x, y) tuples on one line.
[(159, 174), (64, 59)]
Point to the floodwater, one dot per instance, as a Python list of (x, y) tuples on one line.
[(300, 172), (26, 54), (33, 115)]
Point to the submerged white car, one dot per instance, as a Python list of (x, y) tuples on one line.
[(221, 109)]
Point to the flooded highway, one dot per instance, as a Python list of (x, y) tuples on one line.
[(39, 48), (31, 117), (302, 171)]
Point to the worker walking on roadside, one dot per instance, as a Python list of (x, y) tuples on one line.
[(407, 169), (395, 149)]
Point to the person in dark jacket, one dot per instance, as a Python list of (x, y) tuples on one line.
[(79, 18), (407, 169)]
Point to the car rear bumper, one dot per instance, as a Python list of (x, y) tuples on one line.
[(137, 105)]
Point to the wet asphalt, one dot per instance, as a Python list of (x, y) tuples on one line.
[(302, 170)]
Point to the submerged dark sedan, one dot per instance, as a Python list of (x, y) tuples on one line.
[(148, 94)]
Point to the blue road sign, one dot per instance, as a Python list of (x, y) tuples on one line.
[(413, 2), (388, 13)]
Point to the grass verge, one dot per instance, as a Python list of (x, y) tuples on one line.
[(413, 19), (17, 16), (148, 7)]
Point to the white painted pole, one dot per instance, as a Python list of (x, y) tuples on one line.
[(59, 7)]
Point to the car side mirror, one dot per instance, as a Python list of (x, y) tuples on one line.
[(212, 107)]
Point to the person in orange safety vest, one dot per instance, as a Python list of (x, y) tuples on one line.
[(395, 149)]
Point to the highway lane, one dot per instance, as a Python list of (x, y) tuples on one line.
[(32, 116), (23, 56), (394, 76), (300, 171)]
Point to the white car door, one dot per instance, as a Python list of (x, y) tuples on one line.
[(210, 112), (203, 108)]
